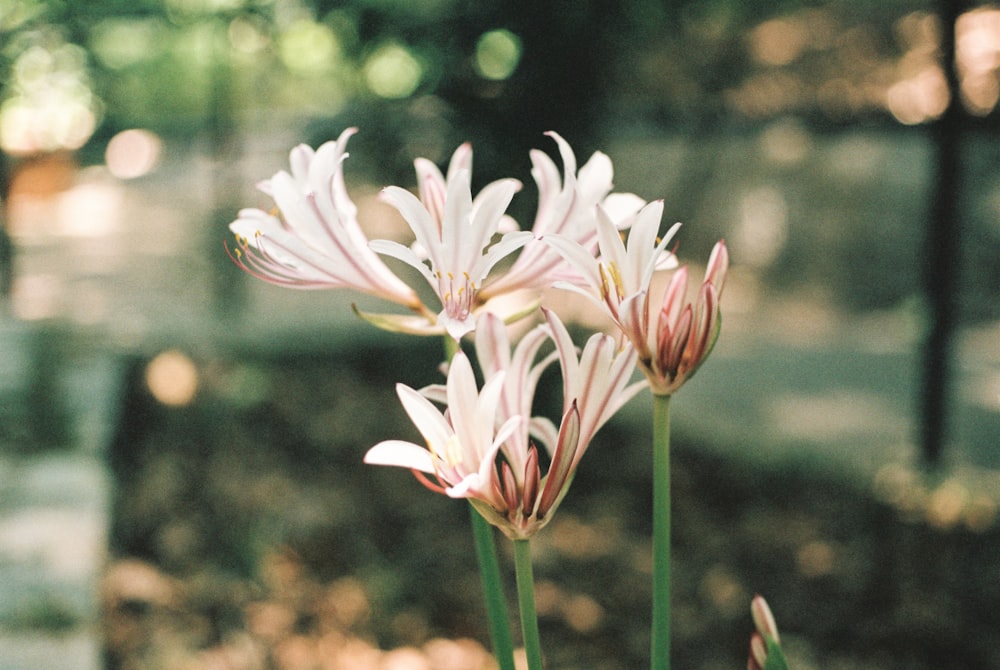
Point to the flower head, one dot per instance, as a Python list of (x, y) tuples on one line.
[(463, 453), (523, 371), (673, 341), (565, 207), (313, 239), (490, 455), (462, 442), (596, 379), (685, 332), (454, 248), (765, 643)]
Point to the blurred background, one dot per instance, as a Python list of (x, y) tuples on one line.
[(180, 445)]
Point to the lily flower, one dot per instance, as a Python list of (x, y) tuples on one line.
[(313, 239), (596, 379), (565, 207), (685, 333), (487, 454), (454, 248), (494, 353), (673, 341), (463, 446), (462, 442), (595, 387)]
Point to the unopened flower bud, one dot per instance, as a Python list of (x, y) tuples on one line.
[(763, 619), (758, 653)]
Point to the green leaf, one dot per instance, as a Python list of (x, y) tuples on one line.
[(400, 323), (775, 657)]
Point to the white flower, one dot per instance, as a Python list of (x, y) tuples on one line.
[(454, 248), (314, 239), (566, 207)]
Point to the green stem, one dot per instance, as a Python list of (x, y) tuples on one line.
[(451, 347), (526, 603), (660, 652), (496, 607), (489, 570)]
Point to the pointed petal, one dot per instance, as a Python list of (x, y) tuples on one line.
[(622, 207), (456, 225), (673, 298), (492, 344), (427, 419), (718, 264), (566, 152), (578, 257), (595, 178), (299, 159), (532, 479), (563, 461), (507, 245), (633, 319), (419, 220), (487, 211), (401, 454), (461, 159), (613, 249), (427, 173), (402, 253), (661, 258)]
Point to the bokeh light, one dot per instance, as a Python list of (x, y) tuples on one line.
[(392, 71), (977, 47), (121, 43), (52, 106), (498, 53), (248, 35), (920, 98), (133, 153), (172, 378), (307, 47)]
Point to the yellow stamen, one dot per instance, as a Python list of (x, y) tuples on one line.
[(611, 277), (452, 453)]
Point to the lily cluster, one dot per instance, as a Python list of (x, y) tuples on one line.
[(480, 447), (482, 439)]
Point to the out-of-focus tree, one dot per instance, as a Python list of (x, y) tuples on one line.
[(425, 74)]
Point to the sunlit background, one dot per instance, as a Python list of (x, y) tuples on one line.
[(853, 172)]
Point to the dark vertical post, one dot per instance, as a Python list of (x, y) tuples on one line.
[(225, 147), (942, 250), (6, 244)]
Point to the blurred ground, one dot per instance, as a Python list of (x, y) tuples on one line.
[(246, 528)]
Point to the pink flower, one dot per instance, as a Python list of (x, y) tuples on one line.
[(565, 207), (463, 453), (596, 379), (673, 341), (454, 248), (313, 239), (686, 333), (481, 447), (523, 370)]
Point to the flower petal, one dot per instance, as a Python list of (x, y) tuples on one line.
[(401, 454)]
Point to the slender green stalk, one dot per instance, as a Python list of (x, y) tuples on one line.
[(489, 570), (496, 607), (526, 603), (660, 652)]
